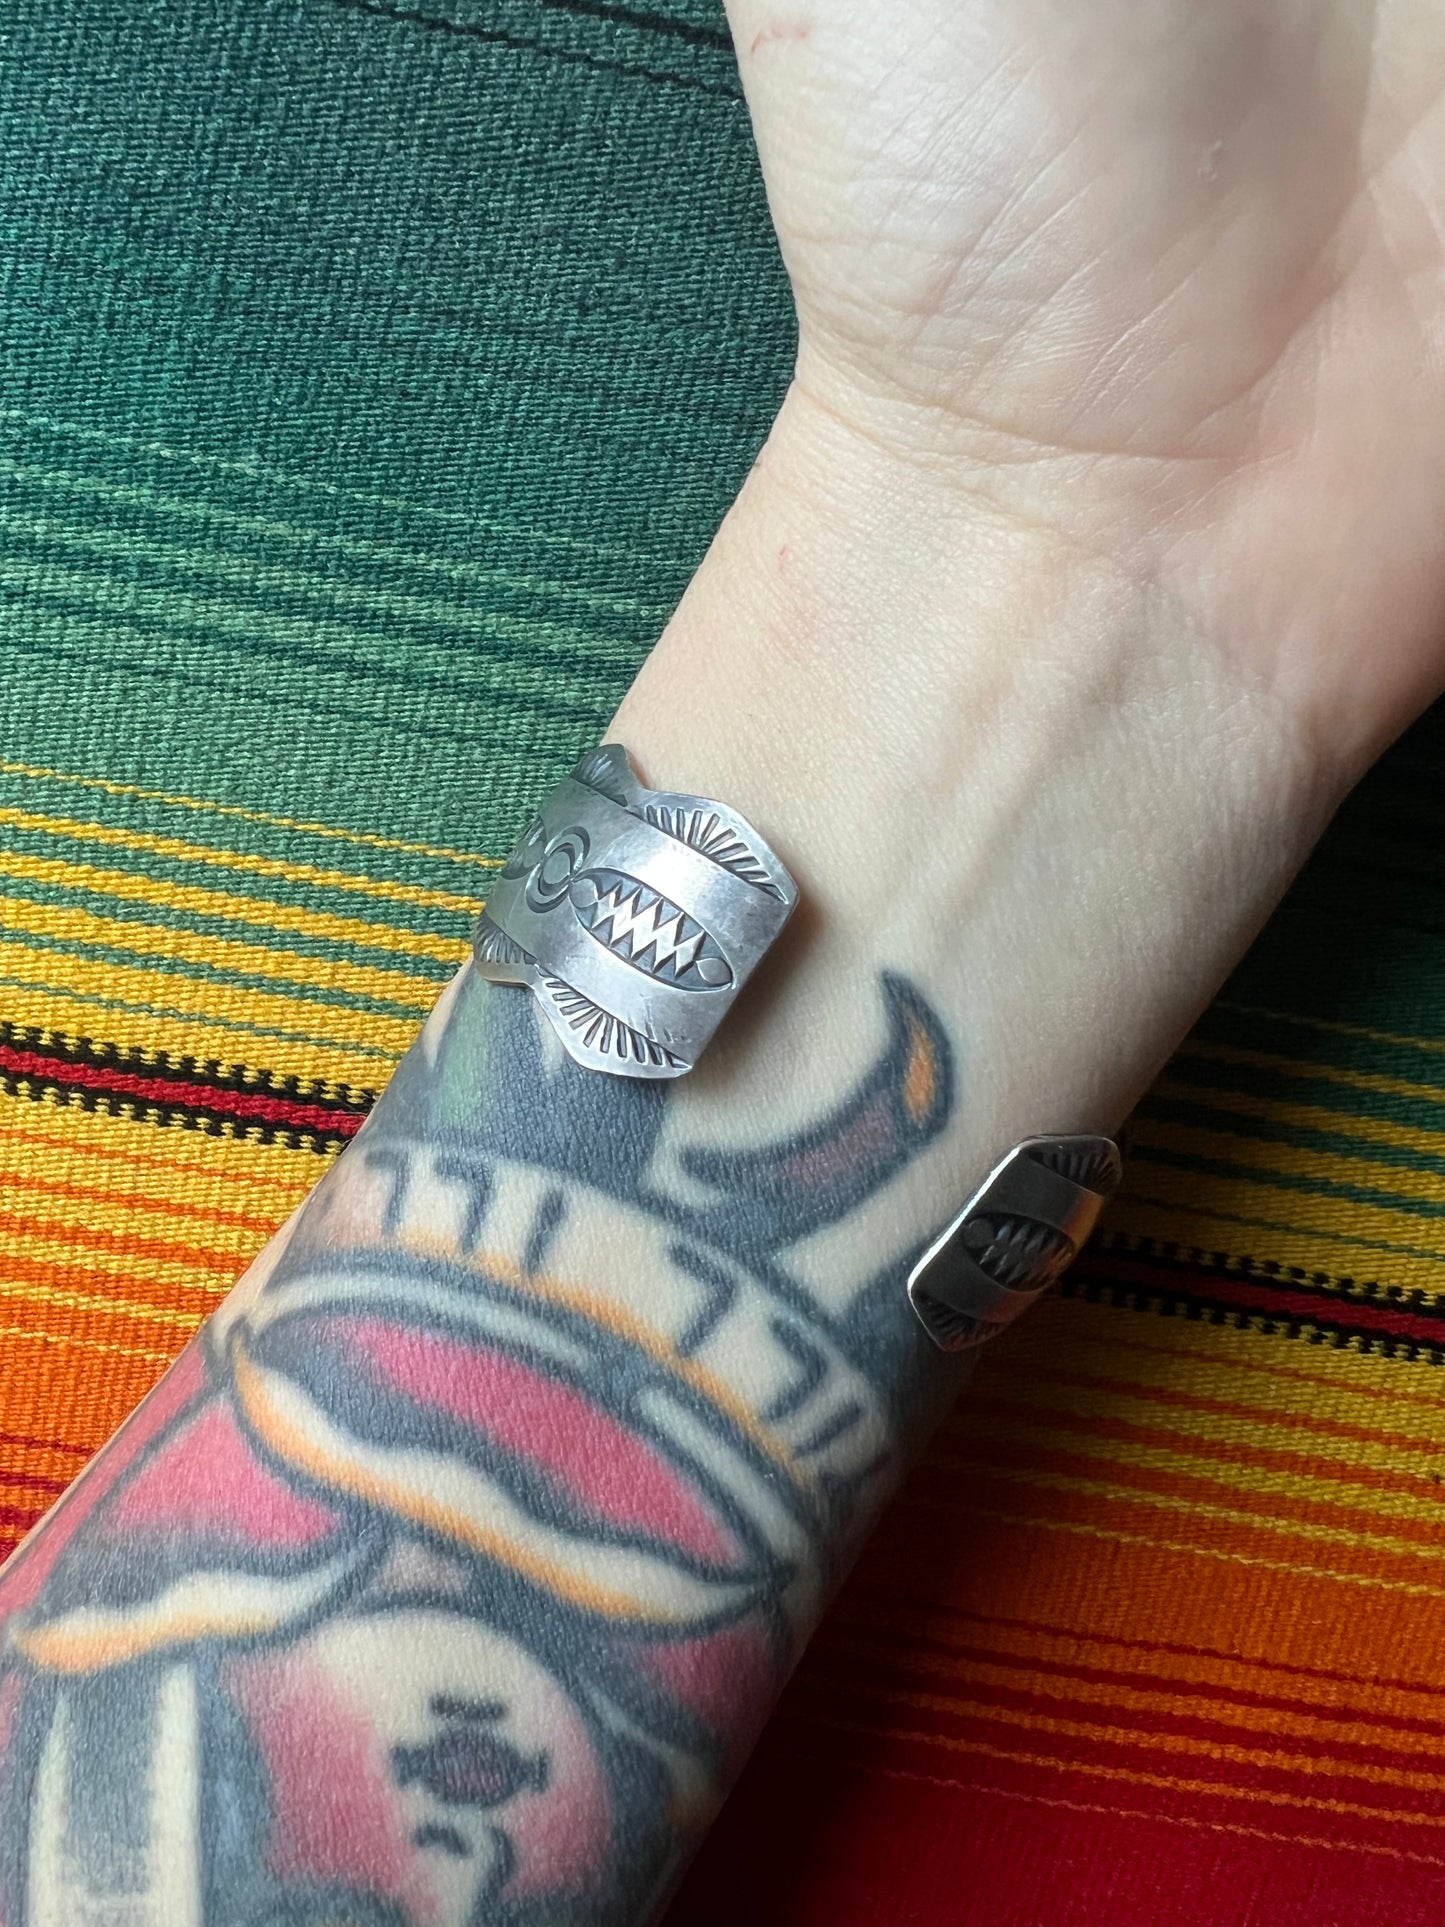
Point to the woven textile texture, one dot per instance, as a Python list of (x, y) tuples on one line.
[(371, 379)]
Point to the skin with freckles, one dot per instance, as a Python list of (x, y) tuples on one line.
[(1093, 554)]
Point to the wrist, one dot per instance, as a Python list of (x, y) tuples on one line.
[(993, 760)]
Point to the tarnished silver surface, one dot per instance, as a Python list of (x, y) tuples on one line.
[(1018, 1233), (634, 915)]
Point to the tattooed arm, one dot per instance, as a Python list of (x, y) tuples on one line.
[(445, 1579)]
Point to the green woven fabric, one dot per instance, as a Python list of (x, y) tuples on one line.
[(373, 379)]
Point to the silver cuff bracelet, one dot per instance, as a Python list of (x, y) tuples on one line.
[(1018, 1233), (635, 916)]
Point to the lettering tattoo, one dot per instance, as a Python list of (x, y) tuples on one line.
[(446, 1577)]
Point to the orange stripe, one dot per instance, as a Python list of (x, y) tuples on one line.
[(43, 1280), (96, 1383), (1311, 1424), (1010, 1641), (1197, 1594), (1063, 1686), (1168, 1783), (131, 1245), (167, 1206), (293, 1188), (57, 1327), (1277, 1759), (1105, 1504), (1175, 1819), (1066, 1422)]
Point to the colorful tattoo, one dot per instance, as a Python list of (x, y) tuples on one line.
[(445, 1579)]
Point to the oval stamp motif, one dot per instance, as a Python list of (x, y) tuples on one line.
[(647, 930)]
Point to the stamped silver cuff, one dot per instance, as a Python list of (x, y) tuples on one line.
[(1016, 1236), (635, 916)]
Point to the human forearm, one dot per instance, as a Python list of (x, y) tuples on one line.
[(524, 1461), (1038, 781)]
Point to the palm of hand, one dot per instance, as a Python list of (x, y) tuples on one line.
[(1168, 279)]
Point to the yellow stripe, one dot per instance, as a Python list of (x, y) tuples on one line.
[(1296, 1020), (1304, 1435), (247, 1172), (76, 830), (232, 1245), (156, 1193), (1195, 1509), (1351, 1384), (1190, 1221), (133, 887), (78, 1342), (80, 975), (1367, 1126), (1265, 1221), (67, 1300), (1189, 1361), (1053, 1434), (1195, 1549), (199, 1035), (1268, 1158), (1377, 1081), (87, 931)]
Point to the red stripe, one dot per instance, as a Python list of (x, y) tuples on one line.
[(22, 1516), (823, 1834), (167, 1094), (33, 1480), (1274, 1301), (883, 1692), (45, 1445)]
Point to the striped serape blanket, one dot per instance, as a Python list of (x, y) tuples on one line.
[(371, 379)]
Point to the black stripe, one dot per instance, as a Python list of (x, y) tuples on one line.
[(1094, 1282), (477, 649), (408, 730), (498, 37), (163, 1067), (214, 1122), (658, 23)]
